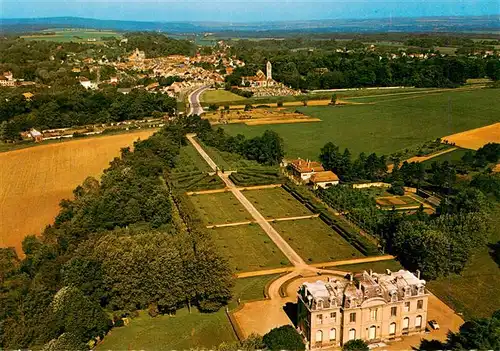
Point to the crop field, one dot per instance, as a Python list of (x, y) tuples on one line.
[(248, 248), (387, 126), (476, 138), (219, 96), (476, 291), (314, 241), (34, 180), (220, 208), (91, 36), (276, 203), (182, 331)]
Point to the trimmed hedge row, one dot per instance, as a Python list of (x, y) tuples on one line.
[(249, 177), (362, 244), (196, 181)]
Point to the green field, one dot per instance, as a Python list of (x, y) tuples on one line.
[(248, 248), (220, 208), (476, 292), (314, 241), (182, 331), (377, 267), (219, 96), (276, 203), (228, 161), (248, 289), (452, 157), (73, 35), (387, 126)]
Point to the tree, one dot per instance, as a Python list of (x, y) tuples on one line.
[(476, 334), (284, 338), (355, 345), (333, 100), (330, 156)]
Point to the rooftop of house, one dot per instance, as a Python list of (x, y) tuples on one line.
[(35, 133), (326, 176), (307, 166), (390, 287)]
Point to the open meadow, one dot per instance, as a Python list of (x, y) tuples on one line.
[(248, 248), (34, 180), (219, 96), (386, 126), (315, 241)]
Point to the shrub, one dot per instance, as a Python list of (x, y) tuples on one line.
[(280, 103), (397, 188), (248, 107), (355, 345), (209, 306), (284, 338)]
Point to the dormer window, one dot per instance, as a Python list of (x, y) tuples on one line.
[(319, 304)]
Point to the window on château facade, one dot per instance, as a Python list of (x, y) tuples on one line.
[(394, 311), (333, 316), (407, 306), (352, 317), (420, 304)]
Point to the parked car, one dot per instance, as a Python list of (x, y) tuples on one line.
[(434, 325)]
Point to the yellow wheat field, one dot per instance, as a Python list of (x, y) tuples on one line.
[(34, 180)]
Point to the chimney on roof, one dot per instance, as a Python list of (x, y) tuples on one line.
[(388, 272), (371, 272), (351, 277), (418, 273)]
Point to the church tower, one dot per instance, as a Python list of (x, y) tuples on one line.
[(269, 71)]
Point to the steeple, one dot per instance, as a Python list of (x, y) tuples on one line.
[(269, 71)]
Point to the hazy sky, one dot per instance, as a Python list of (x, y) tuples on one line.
[(244, 10)]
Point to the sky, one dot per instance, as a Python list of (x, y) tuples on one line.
[(245, 10)]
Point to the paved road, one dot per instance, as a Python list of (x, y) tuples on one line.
[(194, 102), (287, 250)]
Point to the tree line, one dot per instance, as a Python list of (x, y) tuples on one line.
[(118, 246), (76, 106), (267, 149), (326, 69)]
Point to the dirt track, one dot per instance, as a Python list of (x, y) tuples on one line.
[(34, 180)]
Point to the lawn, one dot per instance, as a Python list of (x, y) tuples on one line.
[(314, 241), (183, 331), (220, 208), (228, 161), (219, 96), (377, 267), (475, 292), (248, 248), (387, 126), (276, 203), (248, 289), (189, 160)]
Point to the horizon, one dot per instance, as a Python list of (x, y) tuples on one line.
[(247, 22), (238, 11)]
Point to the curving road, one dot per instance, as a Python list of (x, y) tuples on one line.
[(194, 102)]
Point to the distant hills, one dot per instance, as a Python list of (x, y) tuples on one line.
[(482, 24)]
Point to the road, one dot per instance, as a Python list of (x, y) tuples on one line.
[(194, 102)]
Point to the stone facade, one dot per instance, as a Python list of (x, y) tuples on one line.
[(370, 306)]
